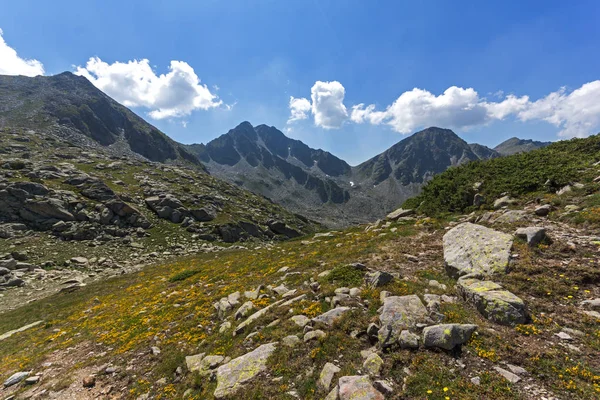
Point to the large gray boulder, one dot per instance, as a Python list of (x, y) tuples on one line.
[(400, 313), (471, 248), (232, 376), (492, 301), (447, 336)]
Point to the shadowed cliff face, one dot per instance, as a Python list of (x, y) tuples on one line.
[(71, 106)]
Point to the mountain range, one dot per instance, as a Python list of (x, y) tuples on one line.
[(311, 182)]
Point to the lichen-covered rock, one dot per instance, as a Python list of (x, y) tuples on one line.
[(408, 340), (447, 336), (255, 316), (373, 364), (399, 313), (357, 387), (328, 318), (492, 301), (203, 365), (232, 376), (327, 373), (471, 248)]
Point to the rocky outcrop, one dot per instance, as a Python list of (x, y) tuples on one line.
[(471, 248)]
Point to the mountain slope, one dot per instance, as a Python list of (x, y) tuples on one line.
[(72, 107), (287, 171), (534, 173), (515, 145), (318, 184)]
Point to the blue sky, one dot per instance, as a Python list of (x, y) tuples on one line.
[(253, 55)]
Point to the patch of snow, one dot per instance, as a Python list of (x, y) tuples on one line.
[(351, 184)]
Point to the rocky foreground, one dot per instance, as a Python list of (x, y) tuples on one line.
[(503, 304)]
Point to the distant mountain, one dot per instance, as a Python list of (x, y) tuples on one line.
[(265, 161), (320, 185), (515, 145), (72, 107), (483, 152)]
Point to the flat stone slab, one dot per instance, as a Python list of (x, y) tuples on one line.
[(400, 313), (471, 248), (492, 301), (232, 376), (21, 329), (255, 316)]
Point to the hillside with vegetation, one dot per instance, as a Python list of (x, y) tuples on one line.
[(538, 173)]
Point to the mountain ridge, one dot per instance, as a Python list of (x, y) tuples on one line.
[(72, 107)]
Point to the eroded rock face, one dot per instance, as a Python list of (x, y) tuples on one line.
[(492, 301), (447, 336), (232, 376), (399, 313), (471, 248)]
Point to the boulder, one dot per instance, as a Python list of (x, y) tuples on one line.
[(290, 341), (399, 313), (399, 213), (373, 364), (232, 376), (543, 211), (512, 217), (492, 301), (377, 279), (330, 317), (408, 340), (300, 320), (471, 248), (447, 336), (532, 235), (203, 365), (357, 387), (244, 310), (204, 214), (281, 228), (503, 202), (327, 373), (16, 378)]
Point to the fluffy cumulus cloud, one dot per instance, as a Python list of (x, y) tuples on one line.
[(576, 113), (326, 105), (299, 108), (134, 83), (12, 64)]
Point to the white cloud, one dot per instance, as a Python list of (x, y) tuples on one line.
[(577, 114), (328, 104), (134, 83), (12, 64), (299, 108)]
